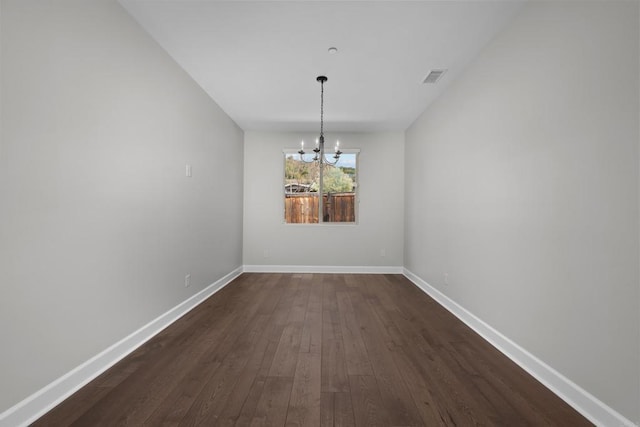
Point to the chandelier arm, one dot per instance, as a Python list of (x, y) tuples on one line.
[(330, 163), (326, 161), (314, 160)]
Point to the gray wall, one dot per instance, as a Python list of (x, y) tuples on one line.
[(98, 223), (381, 206), (522, 185)]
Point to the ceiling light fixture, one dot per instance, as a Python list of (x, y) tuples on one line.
[(320, 157), (333, 50)]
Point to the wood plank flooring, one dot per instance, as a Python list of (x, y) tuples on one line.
[(315, 350)]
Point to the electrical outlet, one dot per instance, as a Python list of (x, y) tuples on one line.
[(188, 171), (187, 280), (446, 278), (383, 252)]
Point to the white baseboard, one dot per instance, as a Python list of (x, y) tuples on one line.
[(582, 401), (322, 269), (39, 403)]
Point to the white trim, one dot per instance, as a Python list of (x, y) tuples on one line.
[(582, 401), (322, 269), (45, 399)]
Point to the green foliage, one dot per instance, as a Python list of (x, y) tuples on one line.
[(294, 169), (349, 171), (299, 172), (336, 181)]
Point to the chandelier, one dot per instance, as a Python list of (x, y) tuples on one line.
[(320, 157)]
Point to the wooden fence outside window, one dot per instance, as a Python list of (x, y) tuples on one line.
[(302, 208)]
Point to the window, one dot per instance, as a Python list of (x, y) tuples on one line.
[(302, 189)]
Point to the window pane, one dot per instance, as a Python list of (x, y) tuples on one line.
[(339, 190), (301, 183)]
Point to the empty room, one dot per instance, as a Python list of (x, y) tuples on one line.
[(319, 213)]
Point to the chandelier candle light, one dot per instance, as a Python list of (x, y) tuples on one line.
[(319, 149)]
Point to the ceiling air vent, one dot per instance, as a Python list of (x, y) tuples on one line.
[(434, 76)]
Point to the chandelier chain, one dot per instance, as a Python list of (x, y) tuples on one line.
[(321, 108)]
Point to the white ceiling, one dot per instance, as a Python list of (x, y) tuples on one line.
[(259, 59)]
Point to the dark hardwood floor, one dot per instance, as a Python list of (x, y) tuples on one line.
[(315, 349)]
